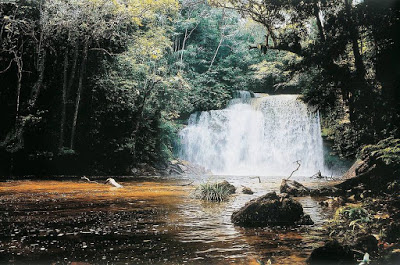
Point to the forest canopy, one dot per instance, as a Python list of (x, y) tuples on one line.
[(99, 86)]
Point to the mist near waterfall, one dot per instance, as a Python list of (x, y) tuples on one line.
[(262, 136)]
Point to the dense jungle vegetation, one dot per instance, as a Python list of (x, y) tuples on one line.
[(100, 86)]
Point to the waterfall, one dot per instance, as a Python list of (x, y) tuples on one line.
[(261, 136)]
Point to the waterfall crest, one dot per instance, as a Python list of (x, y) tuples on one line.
[(261, 136)]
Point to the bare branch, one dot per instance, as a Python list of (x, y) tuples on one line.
[(8, 67), (103, 50), (298, 166)]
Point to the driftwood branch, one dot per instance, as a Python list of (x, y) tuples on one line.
[(317, 175), (298, 166), (88, 180), (259, 180)]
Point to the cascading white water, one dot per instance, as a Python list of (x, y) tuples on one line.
[(260, 136)]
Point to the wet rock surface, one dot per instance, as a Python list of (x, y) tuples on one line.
[(271, 210), (247, 190), (182, 167), (227, 186), (171, 168), (294, 188), (333, 202)]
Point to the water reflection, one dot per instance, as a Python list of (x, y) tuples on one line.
[(149, 221)]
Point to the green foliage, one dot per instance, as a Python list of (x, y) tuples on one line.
[(215, 192), (127, 73), (347, 56), (168, 138), (355, 216), (317, 90), (352, 213), (386, 151)]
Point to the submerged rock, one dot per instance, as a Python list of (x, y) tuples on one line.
[(247, 190), (331, 253), (293, 188), (271, 210)]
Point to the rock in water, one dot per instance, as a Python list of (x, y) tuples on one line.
[(247, 190), (293, 188), (271, 210), (331, 253), (229, 187), (112, 182)]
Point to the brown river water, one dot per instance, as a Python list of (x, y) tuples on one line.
[(148, 221)]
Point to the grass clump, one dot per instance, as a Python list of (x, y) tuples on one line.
[(215, 192)]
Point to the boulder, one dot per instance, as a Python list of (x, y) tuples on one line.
[(247, 190), (331, 253), (305, 220), (325, 191), (294, 188), (352, 172), (182, 167), (226, 185), (367, 243), (271, 210)]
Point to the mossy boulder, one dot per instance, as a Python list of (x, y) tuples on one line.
[(379, 167)]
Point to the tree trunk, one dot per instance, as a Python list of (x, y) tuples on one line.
[(38, 85), (79, 93), (216, 51), (185, 38), (64, 102), (319, 23), (140, 116), (221, 27), (183, 47), (359, 64), (73, 69), (19, 62)]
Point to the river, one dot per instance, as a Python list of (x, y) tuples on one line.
[(151, 220)]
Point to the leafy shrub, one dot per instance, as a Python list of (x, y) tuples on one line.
[(355, 215), (386, 151)]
